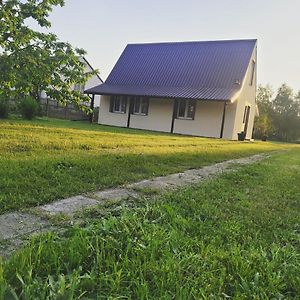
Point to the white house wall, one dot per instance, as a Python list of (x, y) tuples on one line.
[(108, 118), (246, 97), (229, 122), (207, 121), (93, 81), (159, 116)]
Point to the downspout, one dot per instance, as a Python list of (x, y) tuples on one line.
[(223, 120), (174, 114)]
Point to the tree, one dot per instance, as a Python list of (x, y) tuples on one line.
[(31, 61), (263, 123), (297, 99), (286, 114), (279, 116)]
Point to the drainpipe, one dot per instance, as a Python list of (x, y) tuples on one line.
[(223, 120)]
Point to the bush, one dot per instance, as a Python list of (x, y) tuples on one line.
[(29, 108), (4, 107)]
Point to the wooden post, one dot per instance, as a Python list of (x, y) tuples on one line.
[(130, 111), (223, 120), (66, 111), (174, 114), (92, 108), (47, 107)]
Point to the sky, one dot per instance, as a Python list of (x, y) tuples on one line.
[(104, 27)]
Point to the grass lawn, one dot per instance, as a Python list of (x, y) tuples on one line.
[(44, 160), (234, 237)]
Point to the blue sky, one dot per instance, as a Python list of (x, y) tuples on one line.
[(104, 27)]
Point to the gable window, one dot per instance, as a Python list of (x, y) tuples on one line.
[(140, 105), (118, 104), (186, 109), (252, 72)]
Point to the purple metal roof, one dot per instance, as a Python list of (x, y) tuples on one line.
[(195, 70)]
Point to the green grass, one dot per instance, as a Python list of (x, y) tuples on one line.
[(45, 160), (236, 237)]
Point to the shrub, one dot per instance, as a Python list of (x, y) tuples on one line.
[(29, 108), (3, 108)]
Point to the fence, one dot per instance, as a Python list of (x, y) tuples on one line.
[(53, 109)]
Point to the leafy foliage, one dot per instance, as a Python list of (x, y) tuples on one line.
[(4, 106), (31, 61), (286, 114), (279, 116), (29, 108), (263, 123)]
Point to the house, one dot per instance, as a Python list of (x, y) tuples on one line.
[(194, 88), (93, 81), (53, 108)]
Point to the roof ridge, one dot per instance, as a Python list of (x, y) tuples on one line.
[(193, 42)]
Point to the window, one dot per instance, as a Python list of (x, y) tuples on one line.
[(252, 72), (118, 104), (79, 87), (186, 109), (140, 105)]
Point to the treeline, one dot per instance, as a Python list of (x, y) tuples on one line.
[(279, 114)]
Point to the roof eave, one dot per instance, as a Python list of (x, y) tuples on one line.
[(155, 96)]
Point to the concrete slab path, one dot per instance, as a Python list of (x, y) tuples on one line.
[(17, 226)]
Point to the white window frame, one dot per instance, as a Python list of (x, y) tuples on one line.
[(143, 102), (187, 103), (122, 104)]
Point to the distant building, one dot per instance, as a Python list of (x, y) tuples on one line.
[(54, 109), (94, 80), (194, 88)]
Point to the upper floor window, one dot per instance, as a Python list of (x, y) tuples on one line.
[(140, 105), (186, 109), (252, 72), (118, 104)]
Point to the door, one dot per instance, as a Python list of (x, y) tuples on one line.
[(246, 118)]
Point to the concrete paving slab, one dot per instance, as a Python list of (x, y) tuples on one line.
[(116, 194), (68, 206), (19, 224), (156, 183)]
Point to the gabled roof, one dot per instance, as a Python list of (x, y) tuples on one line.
[(212, 70), (90, 66)]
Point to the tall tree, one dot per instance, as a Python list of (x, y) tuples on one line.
[(286, 114), (32, 61), (263, 122)]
